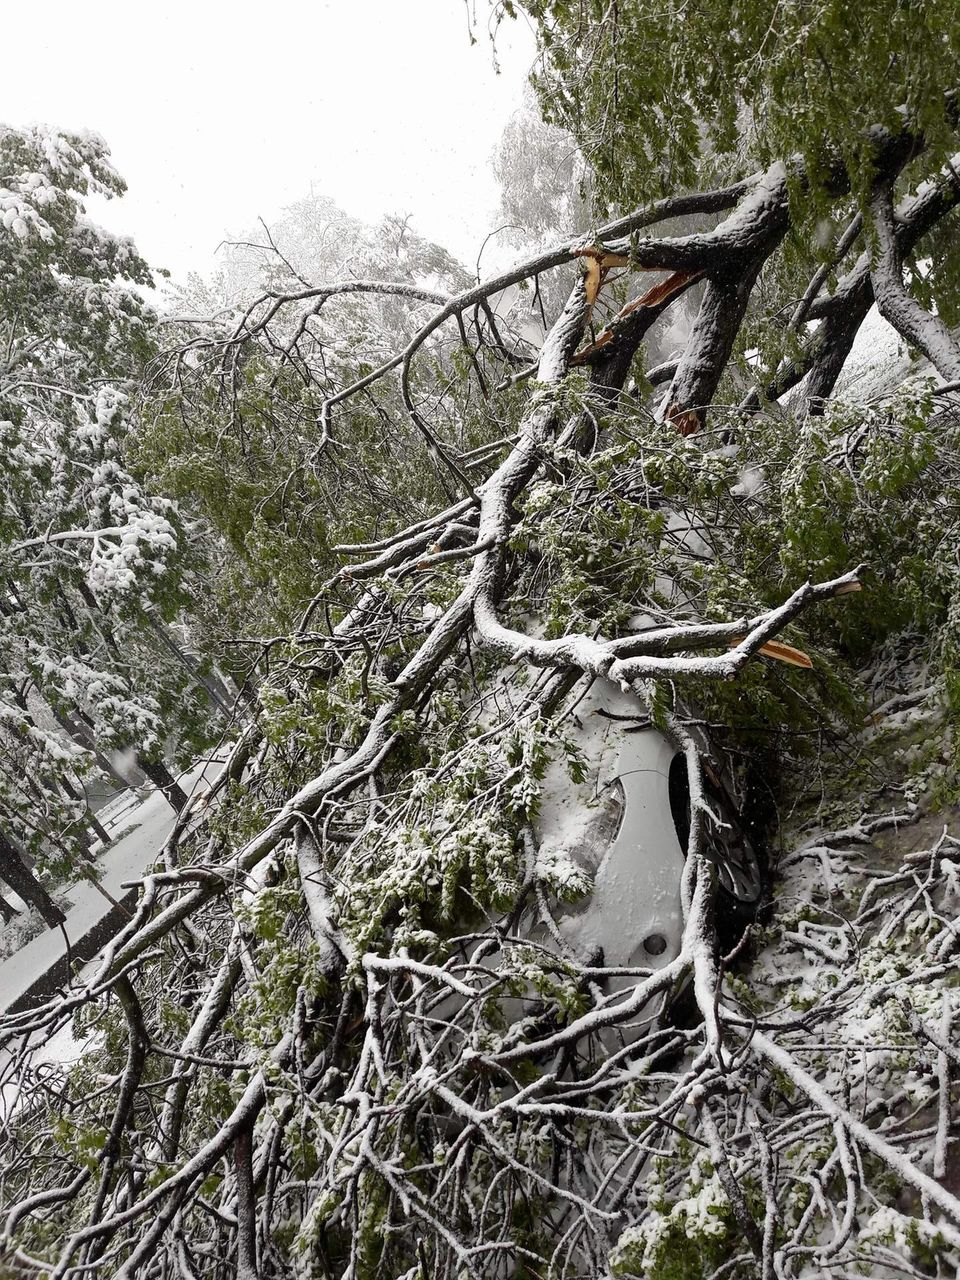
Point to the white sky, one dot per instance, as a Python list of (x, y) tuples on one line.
[(218, 113)]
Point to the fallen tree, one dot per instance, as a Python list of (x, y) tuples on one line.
[(279, 1076)]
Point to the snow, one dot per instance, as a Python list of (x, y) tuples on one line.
[(878, 363), (751, 480), (126, 861), (878, 366), (636, 889)]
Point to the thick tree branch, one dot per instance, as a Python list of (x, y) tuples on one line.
[(919, 327)]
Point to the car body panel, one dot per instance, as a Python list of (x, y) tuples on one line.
[(637, 867)]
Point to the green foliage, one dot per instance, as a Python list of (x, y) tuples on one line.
[(657, 93), (452, 847), (96, 566), (239, 436), (653, 526), (935, 270), (684, 1237)]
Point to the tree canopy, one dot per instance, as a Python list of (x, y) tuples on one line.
[(89, 560), (656, 95)]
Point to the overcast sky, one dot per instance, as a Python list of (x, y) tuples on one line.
[(219, 113)]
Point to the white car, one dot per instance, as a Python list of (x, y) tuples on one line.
[(626, 827), (623, 830)]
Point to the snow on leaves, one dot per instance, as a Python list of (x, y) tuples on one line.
[(89, 560)]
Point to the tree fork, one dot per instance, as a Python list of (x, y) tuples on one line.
[(921, 328), (705, 359)]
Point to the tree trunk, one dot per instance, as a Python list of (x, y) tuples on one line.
[(246, 1205), (924, 329), (98, 829), (15, 872), (89, 817), (162, 778), (82, 734)]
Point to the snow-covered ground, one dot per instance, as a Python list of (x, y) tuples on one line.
[(152, 820)]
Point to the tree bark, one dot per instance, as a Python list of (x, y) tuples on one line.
[(702, 365), (163, 779), (15, 872), (246, 1206), (97, 827)]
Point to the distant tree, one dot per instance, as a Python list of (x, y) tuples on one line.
[(15, 872), (90, 563), (236, 424)]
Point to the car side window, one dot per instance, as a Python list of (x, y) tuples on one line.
[(603, 827)]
